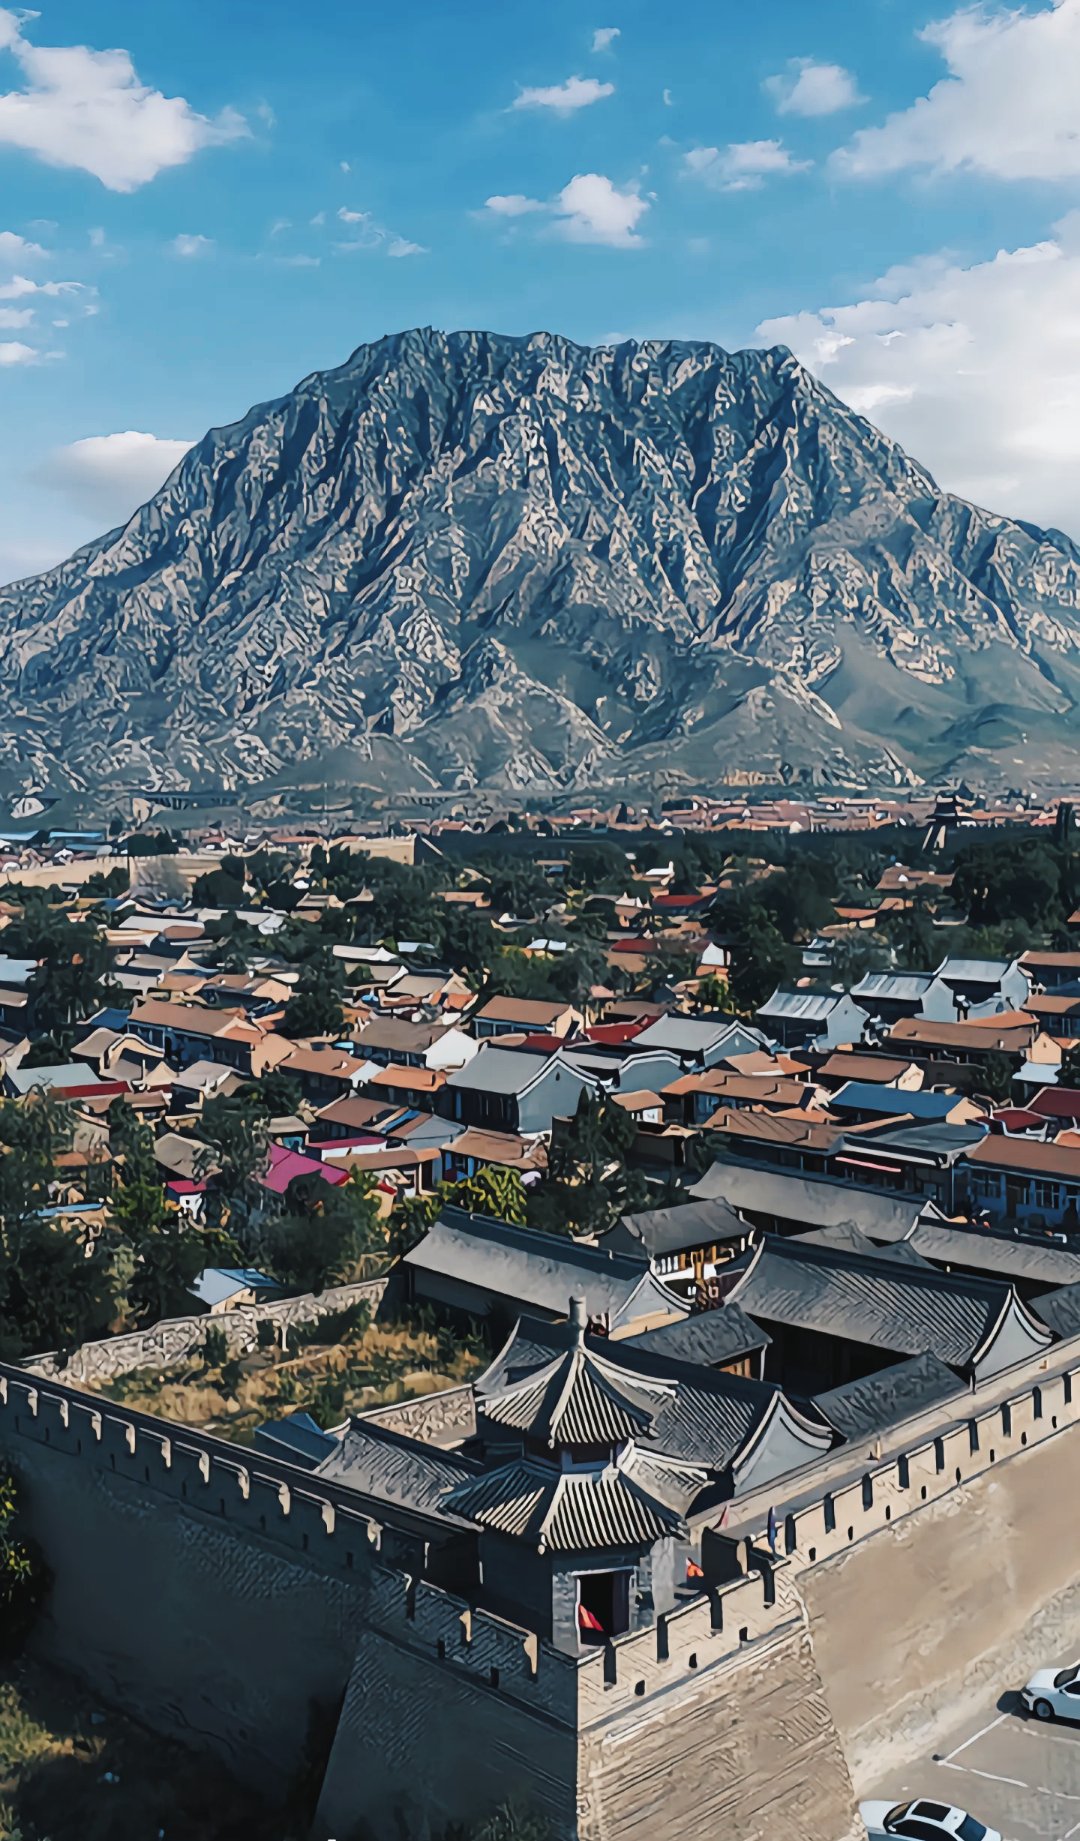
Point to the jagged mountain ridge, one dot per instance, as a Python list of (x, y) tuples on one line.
[(466, 559)]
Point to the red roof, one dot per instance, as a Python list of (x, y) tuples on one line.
[(1018, 1118), (614, 1034), (1057, 1103), (285, 1166)]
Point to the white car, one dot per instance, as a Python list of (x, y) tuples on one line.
[(923, 1820), (1054, 1694)]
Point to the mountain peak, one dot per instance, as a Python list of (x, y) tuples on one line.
[(466, 557)]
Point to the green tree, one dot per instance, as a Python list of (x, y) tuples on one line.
[(589, 1184), (760, 960), (72, 978), (235, 1130), (171, 1254), (24, 1579), (326, 1234), (314, 1009)]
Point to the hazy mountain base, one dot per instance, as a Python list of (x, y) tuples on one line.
[(467, 560)]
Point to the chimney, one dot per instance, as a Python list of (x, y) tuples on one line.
[(577, 1320)]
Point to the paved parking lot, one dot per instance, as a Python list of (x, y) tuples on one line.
[(1011, 1771)]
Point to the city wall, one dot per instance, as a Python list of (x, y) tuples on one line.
[(225, 1595)]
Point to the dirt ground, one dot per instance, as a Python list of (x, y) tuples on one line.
[(375, 1366)]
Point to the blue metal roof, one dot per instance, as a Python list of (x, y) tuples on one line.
[(893, 1102), (216, 1283)]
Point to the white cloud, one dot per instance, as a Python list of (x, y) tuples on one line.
[(189, 246), (13, 319), (344, 167), (565, 98), (20, 287), (97, 237), (743, 165), (107, 477), (806, 87), (668, 99), (13, 352), (368, 234), (604, 37), (15, 248), (593, 210), (298, 261), (589, 209), (513, 204), (1007, 109), (973, 368), (87, 109)]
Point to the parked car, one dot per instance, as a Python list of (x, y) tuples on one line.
[(1054, 1694), (923, 1820)]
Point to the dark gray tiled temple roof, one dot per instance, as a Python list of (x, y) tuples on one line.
[(711, 1337), (688, 1224), (577, 1399), (396, 1470), (1060, 1310), (996, 1255), (575, 1511), (705, 1418), (539, 1271), (870, 1299), (813, 1202), (848, 1239), (862, 1408)]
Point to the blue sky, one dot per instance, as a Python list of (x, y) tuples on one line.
[(201, 202)]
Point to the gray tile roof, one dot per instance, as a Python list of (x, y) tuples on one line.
[(974, 971), (871, 1300), (806, 1006), (540, 1272), (706, 1419), (688, 1035), (862, 1408), (577, 1399), (809, 1201), (709, 1338), (401, 1472), (894, 987), (575, 1512), (297, 1438), (1060, 1311), (499, 1070), (994, 1254), (688, 1224)]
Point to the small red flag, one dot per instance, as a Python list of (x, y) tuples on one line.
[(587, 1621), (693, 1570)]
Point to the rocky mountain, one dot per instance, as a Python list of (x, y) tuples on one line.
[(465, 559)]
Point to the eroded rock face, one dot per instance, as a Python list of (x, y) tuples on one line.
[(465, 559)]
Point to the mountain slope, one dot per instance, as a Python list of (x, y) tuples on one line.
[(469, 559)]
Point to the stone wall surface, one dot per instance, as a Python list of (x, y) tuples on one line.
[(421, 1745), (745, 1750), (176, 1338), (197, 1626)]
